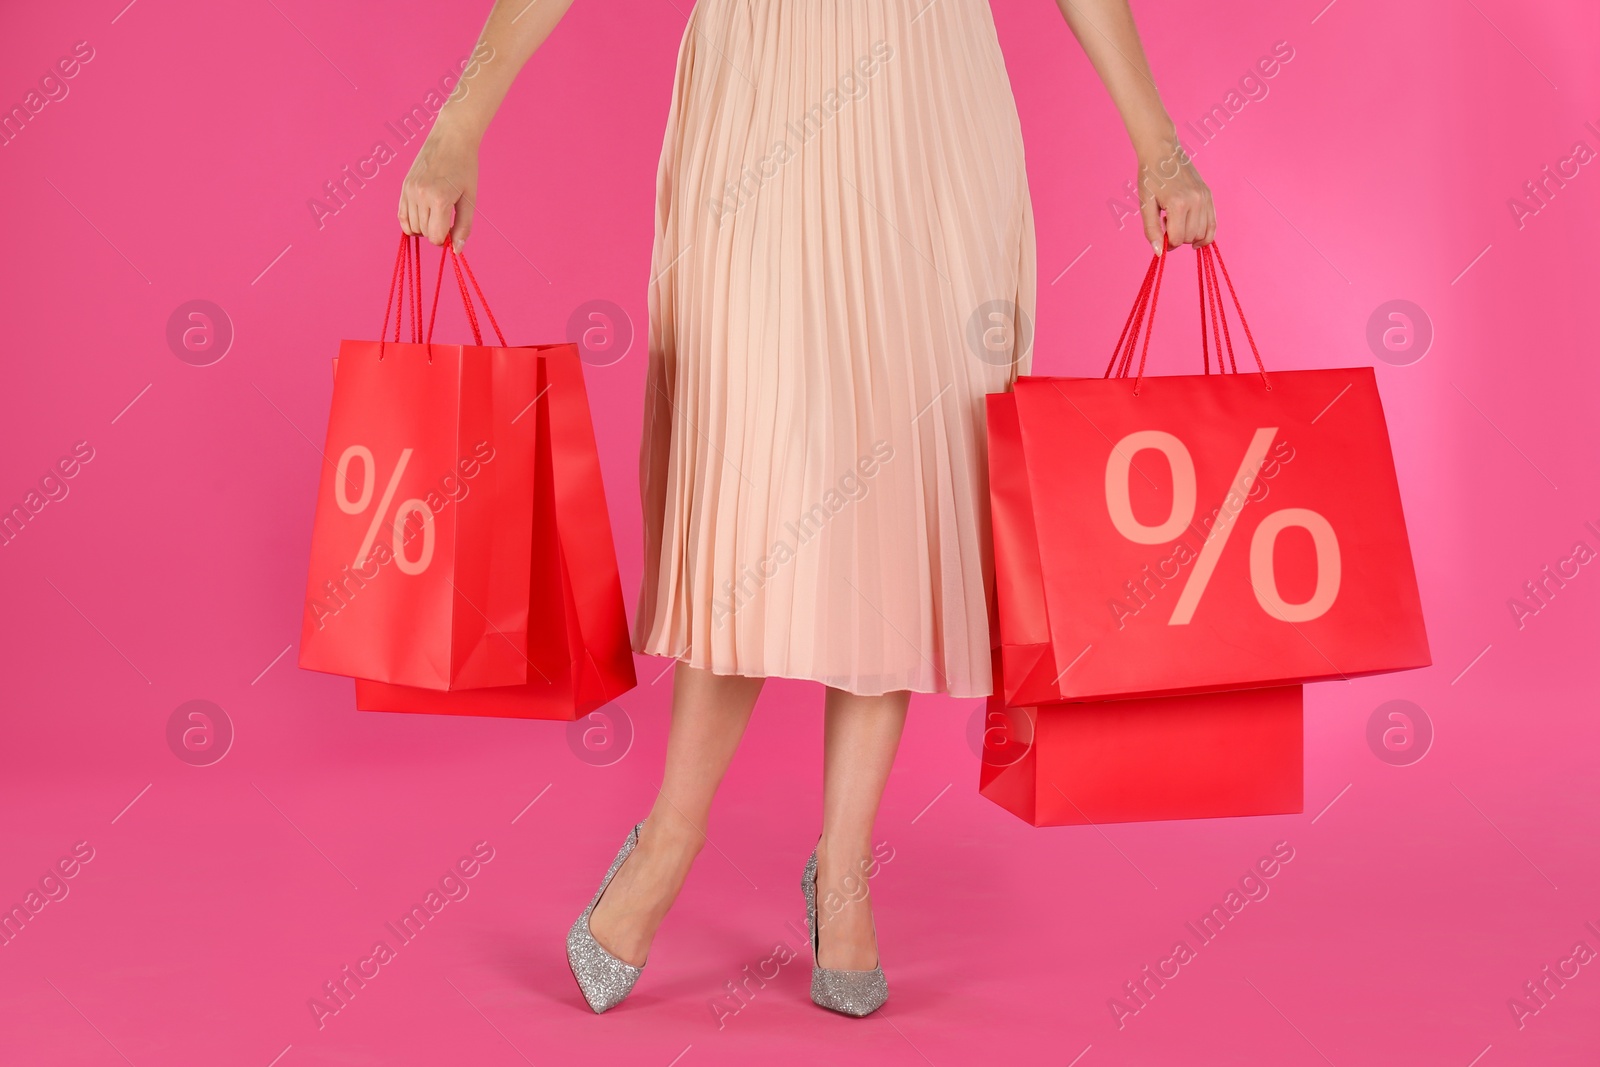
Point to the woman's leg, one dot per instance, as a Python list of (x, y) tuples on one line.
[(709, 714), (860, 736)]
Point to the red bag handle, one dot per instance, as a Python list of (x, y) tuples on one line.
[(407, 276), (459, 261), (1207, 259)]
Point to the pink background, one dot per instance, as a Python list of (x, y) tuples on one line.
[(179, 166)]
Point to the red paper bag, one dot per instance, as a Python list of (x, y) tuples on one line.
[(1155, 758), (1198, 533), (578, 651), (424, 523)]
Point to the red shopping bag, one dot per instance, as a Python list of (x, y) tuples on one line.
[(1188, 534), (1155, 758), (578, 651), (422, 539)]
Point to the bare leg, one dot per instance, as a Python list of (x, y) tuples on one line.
[(860, 736), (709, 714)]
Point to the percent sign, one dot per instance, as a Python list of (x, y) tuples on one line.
[(406, 509), (1263, 575)]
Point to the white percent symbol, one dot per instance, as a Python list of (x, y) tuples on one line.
[(1263, 576), (407, 508)]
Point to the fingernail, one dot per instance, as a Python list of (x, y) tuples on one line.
[(1156, 245)]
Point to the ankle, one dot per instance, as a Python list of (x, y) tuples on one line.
[(845, 858), (671, 836)]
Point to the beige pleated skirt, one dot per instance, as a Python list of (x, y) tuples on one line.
[(844, 266)]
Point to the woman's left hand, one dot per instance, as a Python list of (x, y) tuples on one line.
[(1169, 183)]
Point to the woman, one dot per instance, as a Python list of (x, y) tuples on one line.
[(843, 268)]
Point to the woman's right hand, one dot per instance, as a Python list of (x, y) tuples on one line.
[(438, 195), (441, 190)]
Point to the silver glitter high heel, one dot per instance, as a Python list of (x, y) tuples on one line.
[(604, 980), (854, 993)]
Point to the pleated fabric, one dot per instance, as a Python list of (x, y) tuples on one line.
[(844, 265)]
